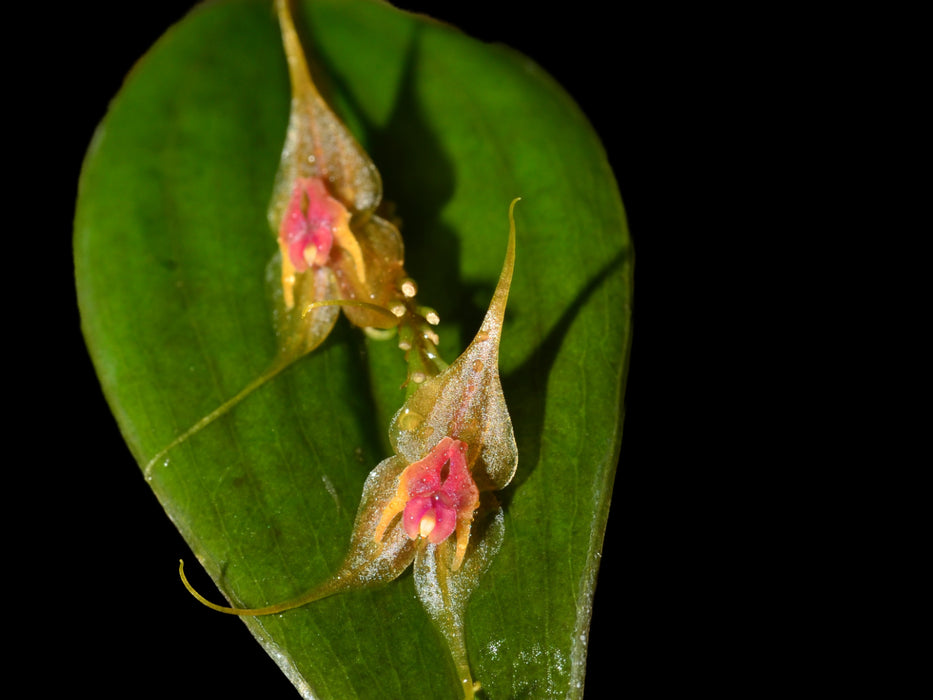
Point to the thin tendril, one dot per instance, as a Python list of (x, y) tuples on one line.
[(304, 599), (223, 408)]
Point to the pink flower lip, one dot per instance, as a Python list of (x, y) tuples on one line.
[(430, 516), (436, 496), (308, 226)]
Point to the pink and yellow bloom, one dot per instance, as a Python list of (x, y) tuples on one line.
[(335, 249)]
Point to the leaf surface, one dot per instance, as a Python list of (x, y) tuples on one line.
[(171, 248)]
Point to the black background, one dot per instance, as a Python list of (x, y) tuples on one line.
[(116, 607)]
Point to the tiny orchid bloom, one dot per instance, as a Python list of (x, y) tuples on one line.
[(438, 496), (335, 250), (453, 441), (324, 180)]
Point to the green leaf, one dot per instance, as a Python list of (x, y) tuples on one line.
[(171, 246)]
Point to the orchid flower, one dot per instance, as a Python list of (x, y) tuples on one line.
[(432, 502), (334, 249)]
